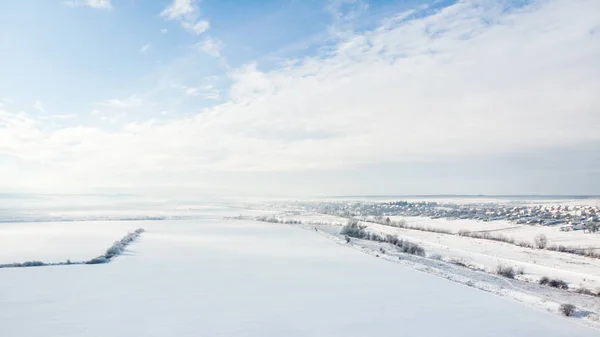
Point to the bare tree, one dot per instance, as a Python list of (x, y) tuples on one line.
[(541, 241)]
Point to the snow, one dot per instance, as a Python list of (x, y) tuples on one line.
[(59, 241), (578, 271), (209, 277), (520, 232)]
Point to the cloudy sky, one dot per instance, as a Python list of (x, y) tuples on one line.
[(301, 97)]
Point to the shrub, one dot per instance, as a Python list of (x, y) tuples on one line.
[(458, 262), (585, 291), (32, 264), (392, 239), (412, 248), (567, 309), (524, 244), (116, 249), (435, 256), (556, 283), (464, 232), (98, 260), (375, 237), (353, 229), (541, 241), (505, 271), (545, 280)]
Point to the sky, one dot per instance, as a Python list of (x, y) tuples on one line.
[(293, 97)]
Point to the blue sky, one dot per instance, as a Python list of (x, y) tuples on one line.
[(308, 97), (52, 49)]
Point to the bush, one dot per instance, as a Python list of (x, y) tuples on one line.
[(353, 229), (458, 262), (541, 242), (98, 260), (585, 291), (524, 244), (32, 264), (567, 309), (505, 271), (392, 239), (464, 232), (556, 283), (435, 256), (412, 248), (375, 237), (116, 249)]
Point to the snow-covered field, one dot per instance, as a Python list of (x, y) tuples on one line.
[(211, 277), (578, 271), (519, 232)]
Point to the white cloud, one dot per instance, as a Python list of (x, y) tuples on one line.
[(475, 78), (98, 4), (145, 48), (179, 9), (39, 106), (344, 13), (128, 102), (197, 28), (187, 12), (210, 46), (164, 31), (204, 91)]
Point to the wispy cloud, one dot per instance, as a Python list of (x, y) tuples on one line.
[(210, 46), (188, 13), (128, 102), (179, 9), (344, 13), (197, 28), (145, 48), (98, 4), (207, 91)]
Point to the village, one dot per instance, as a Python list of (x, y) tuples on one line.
[(568, 217)]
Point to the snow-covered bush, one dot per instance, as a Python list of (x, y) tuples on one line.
[(567, 309), (458, 262), (541, 242), (32, 264), (585, 291), (412, 248), (98, 260), (435, 256), (353, 229), (117, 248), (555, 283), (505, 271)]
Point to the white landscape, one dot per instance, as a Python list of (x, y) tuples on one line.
[(285, 168), (217, 276)]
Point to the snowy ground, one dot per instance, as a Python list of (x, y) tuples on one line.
[(520, 232), (211, 277), (578, 271)]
